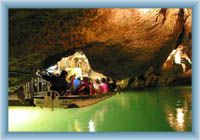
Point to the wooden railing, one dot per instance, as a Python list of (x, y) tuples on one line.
[(35, 85)]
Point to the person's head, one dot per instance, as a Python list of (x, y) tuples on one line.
[(70, 77), (89, 80), (114, 82), (85, 79), (79, 78), (73, 77), (107, 80), (97, 81), (103, 80), (64, 73), (57, 74)]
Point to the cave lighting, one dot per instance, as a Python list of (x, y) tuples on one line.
[(179, 54), (177, 57), (54, 69), (51, 69), (76, 64), (76, 71)]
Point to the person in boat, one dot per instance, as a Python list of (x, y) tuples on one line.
[(58, 83), (97, 86), (104, 86), (85, 88), (112, 84), (77, 82), (71, 83), (92, 90)]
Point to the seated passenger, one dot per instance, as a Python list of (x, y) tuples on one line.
[(71, 83), (97, 86), (109, 82), (92, 90), (77, 82), (113, 86), (104, 86), (58, 83), (84, 87)]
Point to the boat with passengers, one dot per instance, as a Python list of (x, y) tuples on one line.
[(68, 94), (52, 99)]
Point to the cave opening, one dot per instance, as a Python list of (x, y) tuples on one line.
[(76, 64)]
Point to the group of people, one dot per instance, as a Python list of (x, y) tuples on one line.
[(79, 86)]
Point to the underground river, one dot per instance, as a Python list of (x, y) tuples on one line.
[(159, 109)]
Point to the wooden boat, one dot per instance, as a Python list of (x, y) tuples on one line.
[(52, 99)]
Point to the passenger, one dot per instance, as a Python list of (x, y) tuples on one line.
[(97, 86), (109, 82), (84, 87), (77, 82), (104, 86), (58, 83), (92, 90), (71, 84), (114, 86)]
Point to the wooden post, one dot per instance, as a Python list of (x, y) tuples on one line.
[(42, 86), (32, 90), (31, 86), (29, 91), (25, 90), (48, 86), (38, 90), (34, 87)]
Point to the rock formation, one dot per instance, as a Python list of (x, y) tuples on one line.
[(120, 43)]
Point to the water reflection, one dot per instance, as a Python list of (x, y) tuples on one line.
[(179, 116), (77, 126), (177, 121), (123, 101), (91, 126), (96, 116), (151, 110)]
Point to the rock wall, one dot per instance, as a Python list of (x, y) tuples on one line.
[(120, 43)]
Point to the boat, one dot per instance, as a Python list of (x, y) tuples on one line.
[(52, 99)]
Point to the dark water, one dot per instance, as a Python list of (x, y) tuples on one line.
[(163, 109)]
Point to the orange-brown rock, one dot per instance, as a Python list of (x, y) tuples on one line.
[(119, 43)]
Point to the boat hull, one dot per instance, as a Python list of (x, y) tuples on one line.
[(74, 101)]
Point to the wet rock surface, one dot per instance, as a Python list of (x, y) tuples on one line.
[(120, 43)]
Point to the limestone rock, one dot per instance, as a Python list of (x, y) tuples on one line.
[(120, 43)]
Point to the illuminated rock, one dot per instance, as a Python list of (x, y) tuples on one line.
[(126, 42), (120, 43), (177, 67)]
